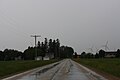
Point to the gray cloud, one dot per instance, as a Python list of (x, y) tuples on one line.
[(78, 23)]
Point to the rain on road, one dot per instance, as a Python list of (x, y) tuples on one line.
[(63, 70)]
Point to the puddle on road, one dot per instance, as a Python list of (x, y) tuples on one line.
[(37, 74), (76, 74), (65, 71), (44, 70)]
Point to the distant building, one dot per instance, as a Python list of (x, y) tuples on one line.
[(110, 54), (18, 58), (48, 56), (38, 58)]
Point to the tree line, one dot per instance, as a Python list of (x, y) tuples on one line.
[(100, 54), (47, 47)]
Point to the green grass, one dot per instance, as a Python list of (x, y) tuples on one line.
[(111, 66), (8, 68)]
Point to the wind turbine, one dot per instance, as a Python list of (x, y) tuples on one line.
[(106, 46), (91, 49), (97, 50)]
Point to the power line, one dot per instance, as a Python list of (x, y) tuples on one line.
[(35, 36), (13, 24), (11, 21)]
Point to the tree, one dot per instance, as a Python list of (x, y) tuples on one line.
[(96, 55), (118, 53), (38, 44), (101, 53), (29, 54), (83, 55), (66, 52), (43, 50), (46, 45), (57, 47), (50, 50), (1, 56), (54, 48), (70, 52), (75, 55), (89, 55), (11, 54)]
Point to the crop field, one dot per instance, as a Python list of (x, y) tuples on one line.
[(8, 68), (110, 66)]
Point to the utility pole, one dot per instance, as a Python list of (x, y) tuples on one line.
[(35, 36)]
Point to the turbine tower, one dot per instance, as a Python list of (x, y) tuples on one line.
[(106, 46), (91, 49), (97, 50)]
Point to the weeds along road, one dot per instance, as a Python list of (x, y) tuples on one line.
[(63, 70)]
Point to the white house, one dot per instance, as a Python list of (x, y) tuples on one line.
[(38, 58)]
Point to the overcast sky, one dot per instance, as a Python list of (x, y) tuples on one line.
[(80, 24)]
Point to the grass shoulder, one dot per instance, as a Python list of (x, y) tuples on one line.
[(110, 66), (8, 68)]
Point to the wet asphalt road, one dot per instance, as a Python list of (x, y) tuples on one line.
[(63, 70)]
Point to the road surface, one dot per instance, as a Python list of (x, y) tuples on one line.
[(63, 70)]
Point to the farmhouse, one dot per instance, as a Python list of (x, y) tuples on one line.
[(48, 56), (110, 54)]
